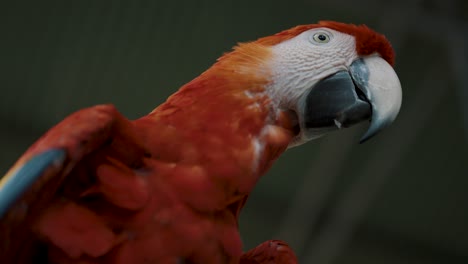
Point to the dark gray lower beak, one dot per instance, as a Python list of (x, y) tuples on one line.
[(335, 102), (370, 90)]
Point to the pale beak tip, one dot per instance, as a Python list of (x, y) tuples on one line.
[(372, 131)]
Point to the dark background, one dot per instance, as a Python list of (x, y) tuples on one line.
[(399, 198)]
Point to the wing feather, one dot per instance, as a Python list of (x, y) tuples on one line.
[(58, 161)]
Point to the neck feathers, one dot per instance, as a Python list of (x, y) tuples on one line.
[(231, 92), (224, 121), (244, 70), (226, 106)]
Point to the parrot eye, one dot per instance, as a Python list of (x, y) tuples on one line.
[(321, 37)]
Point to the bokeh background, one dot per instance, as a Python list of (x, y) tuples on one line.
[(399, 198)]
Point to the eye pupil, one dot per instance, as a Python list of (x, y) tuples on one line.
[(321, 38)]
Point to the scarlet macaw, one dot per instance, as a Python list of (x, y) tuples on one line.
[(168, 187)]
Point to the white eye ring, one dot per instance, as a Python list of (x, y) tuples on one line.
[(321, 37)]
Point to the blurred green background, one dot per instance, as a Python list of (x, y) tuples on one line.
[(399, 198)]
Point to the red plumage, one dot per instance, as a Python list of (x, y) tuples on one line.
[(164, 188), (168, 187)]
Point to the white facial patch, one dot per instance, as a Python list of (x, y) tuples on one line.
[(302, 61)]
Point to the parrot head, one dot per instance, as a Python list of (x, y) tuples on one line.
[(327, 76), (334, 75)]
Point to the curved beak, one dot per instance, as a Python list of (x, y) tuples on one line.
[(381, 86), (370, 90)]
